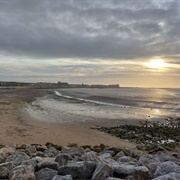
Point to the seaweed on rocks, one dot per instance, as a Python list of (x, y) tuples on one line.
[(166, 134)]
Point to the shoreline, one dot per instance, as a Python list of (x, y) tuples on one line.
[(19, 128)]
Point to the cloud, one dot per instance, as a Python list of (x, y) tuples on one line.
[(103, 29)]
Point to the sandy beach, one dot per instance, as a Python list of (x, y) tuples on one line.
[(19, 128)]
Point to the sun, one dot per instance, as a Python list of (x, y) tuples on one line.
[(156, 63)]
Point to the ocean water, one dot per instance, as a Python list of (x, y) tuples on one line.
[(87, 104)]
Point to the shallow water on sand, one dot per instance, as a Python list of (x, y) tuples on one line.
[(86, 104)]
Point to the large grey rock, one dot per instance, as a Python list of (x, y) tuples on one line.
[(22, 172), (170, 176), (4, 172), (150, 161), (45, 174), (138, 172), (78, 170), (165, 168), (17, 158), (62, 159), (102, 171), (8, 165), (58, 177)]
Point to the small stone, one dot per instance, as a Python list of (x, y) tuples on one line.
[(45, 174), (22, 172)]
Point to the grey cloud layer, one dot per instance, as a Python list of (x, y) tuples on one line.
[(101, 29)]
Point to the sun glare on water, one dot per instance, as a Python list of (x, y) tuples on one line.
[(156, 63)]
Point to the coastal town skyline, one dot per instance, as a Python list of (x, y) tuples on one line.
[(131, 43)]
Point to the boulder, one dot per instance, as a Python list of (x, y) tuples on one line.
[(170, 176), (78, 170), (22, 172), (58, 177), (102, 171), (45, 174), (4, 172), (150, 161), (138, 172), (17, 158), (62, 159), (166, 168)]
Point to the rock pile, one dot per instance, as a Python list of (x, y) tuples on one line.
[(52, 162)]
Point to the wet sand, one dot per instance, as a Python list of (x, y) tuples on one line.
[(18, 127)]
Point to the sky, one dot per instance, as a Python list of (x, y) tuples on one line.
[(91, 42)]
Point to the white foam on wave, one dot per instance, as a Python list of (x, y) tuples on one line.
[(88, 101)]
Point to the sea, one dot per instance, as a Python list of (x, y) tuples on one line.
[(91, 104)]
